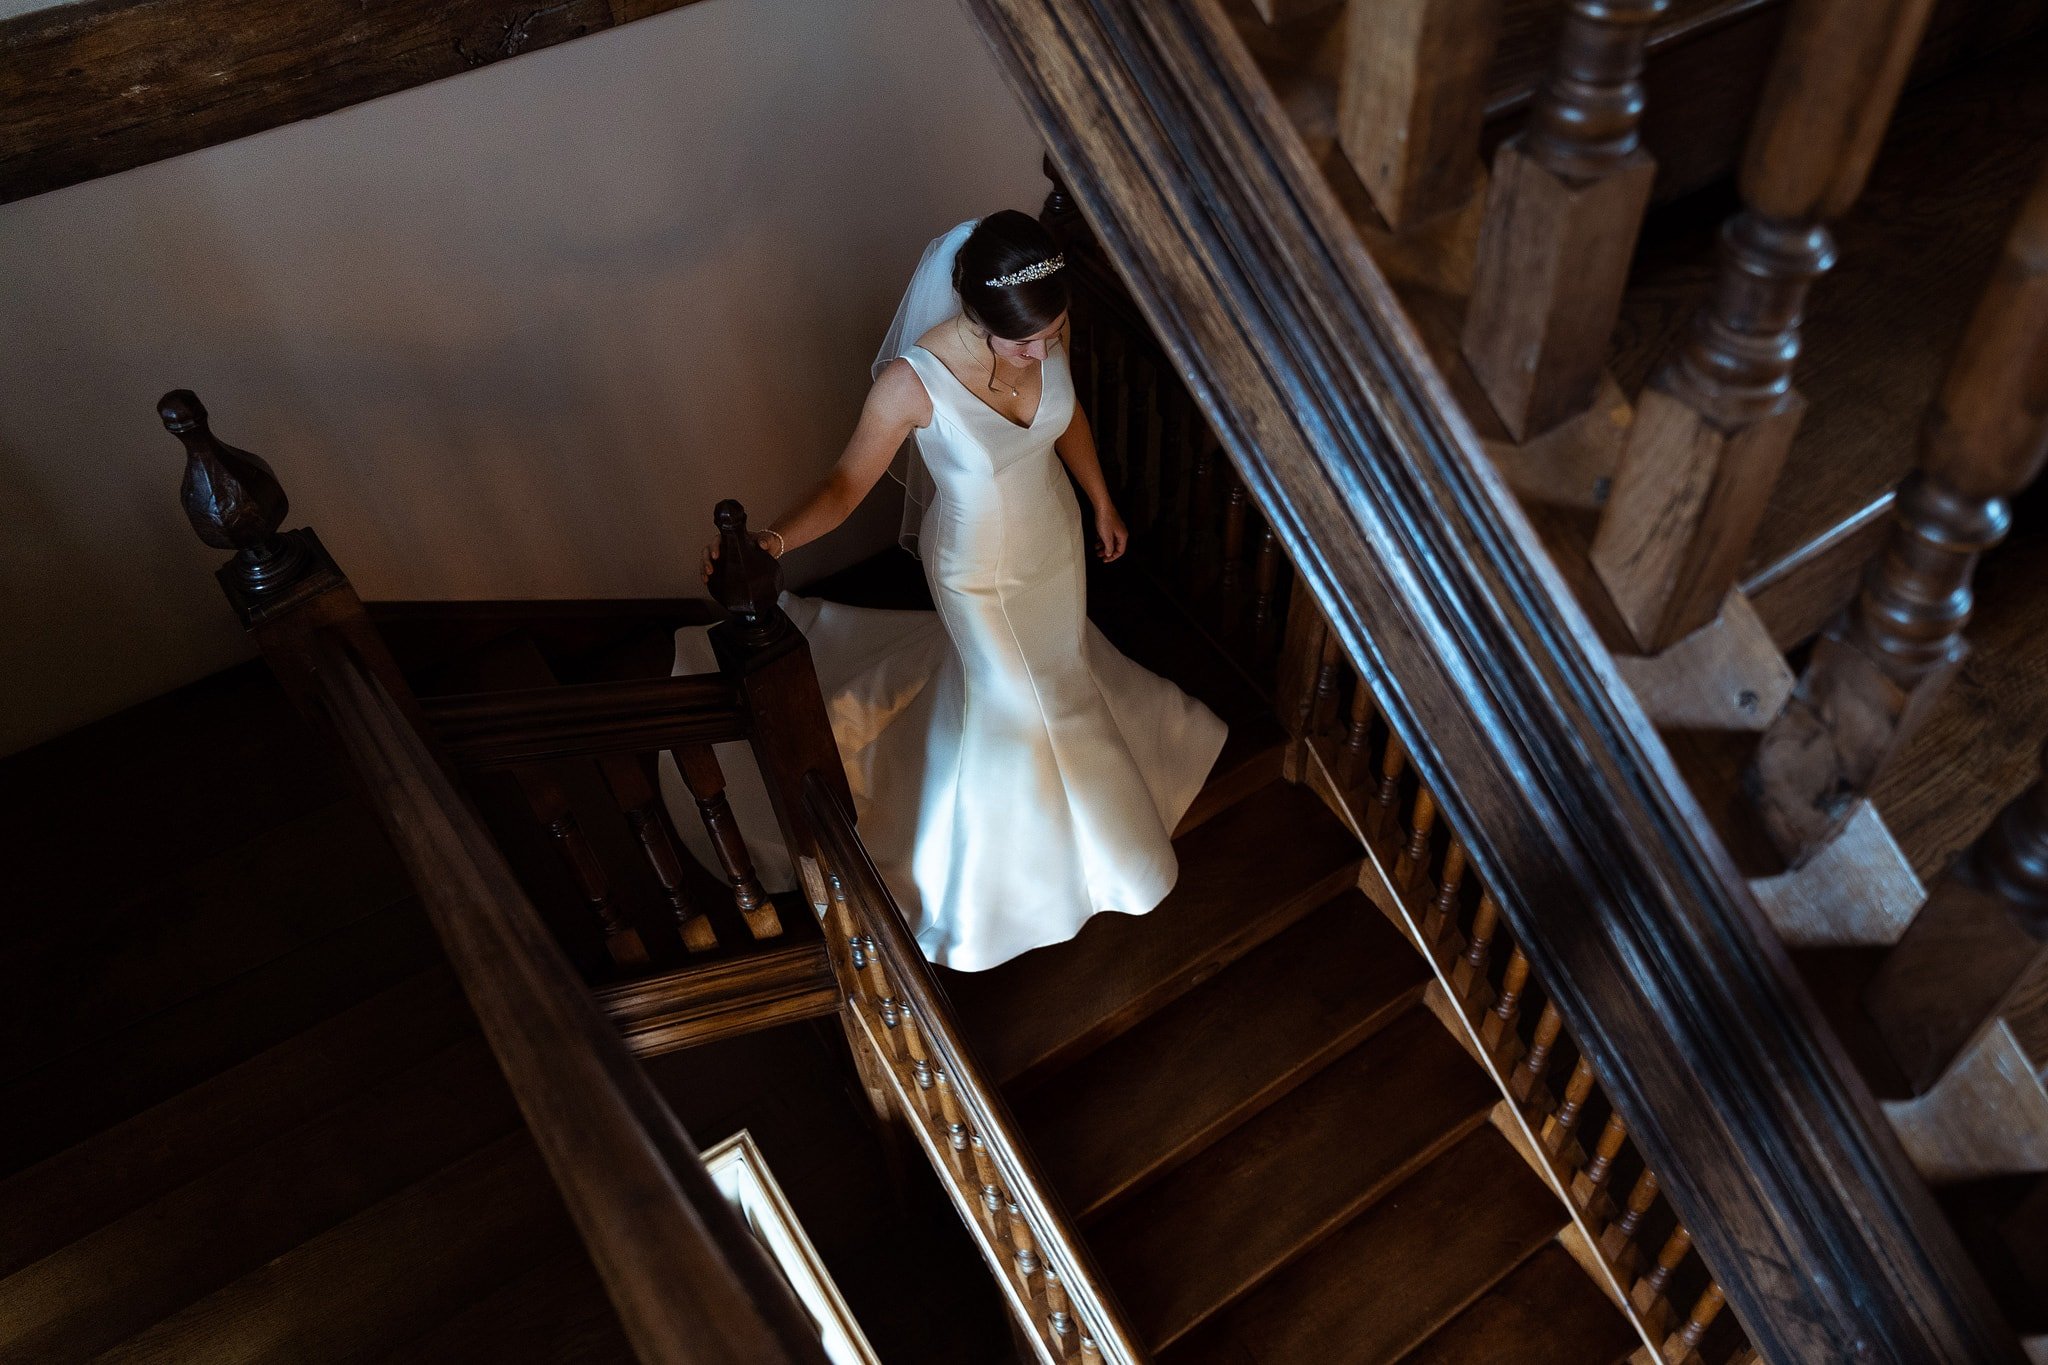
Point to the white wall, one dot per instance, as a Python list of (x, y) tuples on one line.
[(508, 335)]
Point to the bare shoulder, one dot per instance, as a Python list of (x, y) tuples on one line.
[(899, 395)]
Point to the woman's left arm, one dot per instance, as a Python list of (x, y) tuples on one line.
[(1076, 449)]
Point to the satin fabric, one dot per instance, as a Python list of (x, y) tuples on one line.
[(1013, 773)]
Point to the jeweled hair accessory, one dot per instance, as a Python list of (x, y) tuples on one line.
[(1029, 272)]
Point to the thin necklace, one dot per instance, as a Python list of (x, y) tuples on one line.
[(993, 360)]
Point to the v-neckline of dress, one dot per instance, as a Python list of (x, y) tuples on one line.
[(983, 403)]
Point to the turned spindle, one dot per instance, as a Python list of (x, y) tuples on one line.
[(1237, 509), (1497, 1030), (1618, 1240), (1526, 1082), (551, 808), (1589, 1186), (1412, 867), (1560, 1130), (1443, 909), (1648, 1294), (706, 781), (1563, 208), (1713, 426), (1386, 798), (648, 820), (1357, 750), (1686, 1340), (1469, 976), (1874, 676)]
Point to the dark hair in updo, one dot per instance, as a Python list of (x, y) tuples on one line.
[(1002, 244)]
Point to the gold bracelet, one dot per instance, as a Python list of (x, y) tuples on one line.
[(782, 546)]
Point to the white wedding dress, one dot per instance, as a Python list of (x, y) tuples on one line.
[(1012, 773)]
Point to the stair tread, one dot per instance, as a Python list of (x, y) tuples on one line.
[(1547, 1312), (188, 1242), (1217, 1053), (556, 1313), (381, 1278), (1378, 1287), (118, 1169), (1244, 876), (114, 1078), (197, 927), (1218, 1224)]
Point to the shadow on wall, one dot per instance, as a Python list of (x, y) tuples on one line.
[(508, 335)]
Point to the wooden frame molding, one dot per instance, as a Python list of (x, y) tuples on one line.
[(1801, 1200), (102, 86)]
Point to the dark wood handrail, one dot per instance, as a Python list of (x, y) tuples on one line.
[(531, 725), (988, 1116), (1827, 1243), (690, 1284)]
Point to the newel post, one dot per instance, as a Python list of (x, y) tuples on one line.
[(768, 657), (283, 585)]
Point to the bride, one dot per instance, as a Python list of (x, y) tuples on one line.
[(1013, 774)]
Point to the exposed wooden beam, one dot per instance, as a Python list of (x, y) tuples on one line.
[(92, 88)]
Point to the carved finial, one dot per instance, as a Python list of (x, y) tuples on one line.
[(747, 580), (232, 499)]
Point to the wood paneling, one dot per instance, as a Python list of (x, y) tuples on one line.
[(106, 85)]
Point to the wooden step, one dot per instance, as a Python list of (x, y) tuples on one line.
[(87, 1186), (1244, 876), (1220, 1052), (1253, 756), (1219, 1224), (1548, 1312), (554, 1314), (65, 1102), (1383, 1284), (195, 928), (165, 1254), (380, 1279)]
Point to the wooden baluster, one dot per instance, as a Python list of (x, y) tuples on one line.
[(1872, 678), (1497, 1030), (1024, 1261), (1560, 1130), (1111, 403), (1139, 496), (1589, 1186), (1648, 1295), (1563, 208), (1411, 96), (994, 1198), (1059, 1318), (1976, 949), (1329, 680), (1683, 1345), (550, 807), (1176, 415), (1526, 1082), (1203, 515), (706, 781), (1712, 428), (648, 819), (1381, 819), (1442, 916), (1469, 976), (1265, 583), (1357, 749), (1411, 868), (1237, 508), (1618, 1239)]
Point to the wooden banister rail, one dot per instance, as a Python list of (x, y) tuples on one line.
[(501, 729), (955, 1111), (690, 1284), (1777, 1159)]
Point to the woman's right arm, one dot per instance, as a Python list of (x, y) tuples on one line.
[(895, 406)]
